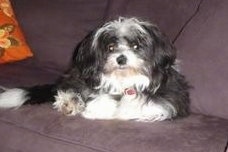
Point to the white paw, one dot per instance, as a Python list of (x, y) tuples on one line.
[(152, 118), (101, 107), (68, 103), (152, 112)]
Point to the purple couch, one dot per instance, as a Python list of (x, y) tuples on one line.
[(199, 29)]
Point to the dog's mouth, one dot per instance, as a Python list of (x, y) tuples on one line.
[(123, 67), (120, 68), (124, 71)]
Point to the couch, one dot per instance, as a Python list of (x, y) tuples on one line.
[(52, 28)]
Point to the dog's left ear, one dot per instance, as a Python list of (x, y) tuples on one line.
[(163, 55), (87, 60)]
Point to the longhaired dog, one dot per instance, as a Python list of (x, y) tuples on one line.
[(123, 70)]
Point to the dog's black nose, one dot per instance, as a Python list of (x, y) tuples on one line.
[(121, 60)]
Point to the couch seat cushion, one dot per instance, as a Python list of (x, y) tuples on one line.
[(40, 128)]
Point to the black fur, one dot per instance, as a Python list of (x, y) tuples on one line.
[(40, 94)]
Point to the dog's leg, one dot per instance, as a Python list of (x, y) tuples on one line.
[(72, 92), (157, 111), (69, 103), (102, 106), (141, 108)]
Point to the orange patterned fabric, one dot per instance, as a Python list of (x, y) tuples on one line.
[(12, 42)]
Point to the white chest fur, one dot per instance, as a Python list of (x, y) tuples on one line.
[(113, 84)]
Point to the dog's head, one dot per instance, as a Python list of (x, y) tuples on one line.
[(125, 47)]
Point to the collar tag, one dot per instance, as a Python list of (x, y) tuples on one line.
[(130, 91)]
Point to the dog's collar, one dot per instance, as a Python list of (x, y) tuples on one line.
[(130, 91)]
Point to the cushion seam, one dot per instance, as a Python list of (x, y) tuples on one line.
[(195, 13)]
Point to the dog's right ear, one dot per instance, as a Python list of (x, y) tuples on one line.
[(87, 59), (163, 55)]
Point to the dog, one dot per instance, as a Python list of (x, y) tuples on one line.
[(124, 69)]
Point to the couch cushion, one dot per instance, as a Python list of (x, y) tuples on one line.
[(169, 16), (203, 48), (54, 27), (26, 73), (40, 128)]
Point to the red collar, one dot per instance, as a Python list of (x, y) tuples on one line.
[(130, 91)]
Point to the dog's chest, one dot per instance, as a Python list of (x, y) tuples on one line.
[(113, 84)]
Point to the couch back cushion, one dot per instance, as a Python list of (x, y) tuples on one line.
[(54, 27), (169, 16), (204, 50)]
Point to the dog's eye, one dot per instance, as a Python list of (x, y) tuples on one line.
[(135, 46), (111, 47)]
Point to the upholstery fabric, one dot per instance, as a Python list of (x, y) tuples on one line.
[(169, 17), (54, 27), (25, 74), (40, 128), (203, 49)]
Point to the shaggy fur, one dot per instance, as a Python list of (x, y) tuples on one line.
[(121, 70)]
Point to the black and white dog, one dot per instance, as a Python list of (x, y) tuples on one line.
[(123, 70)]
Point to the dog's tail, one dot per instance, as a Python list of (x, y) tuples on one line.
[(16, 97)]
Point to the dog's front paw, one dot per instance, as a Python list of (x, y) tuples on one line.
[(69, 103)]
